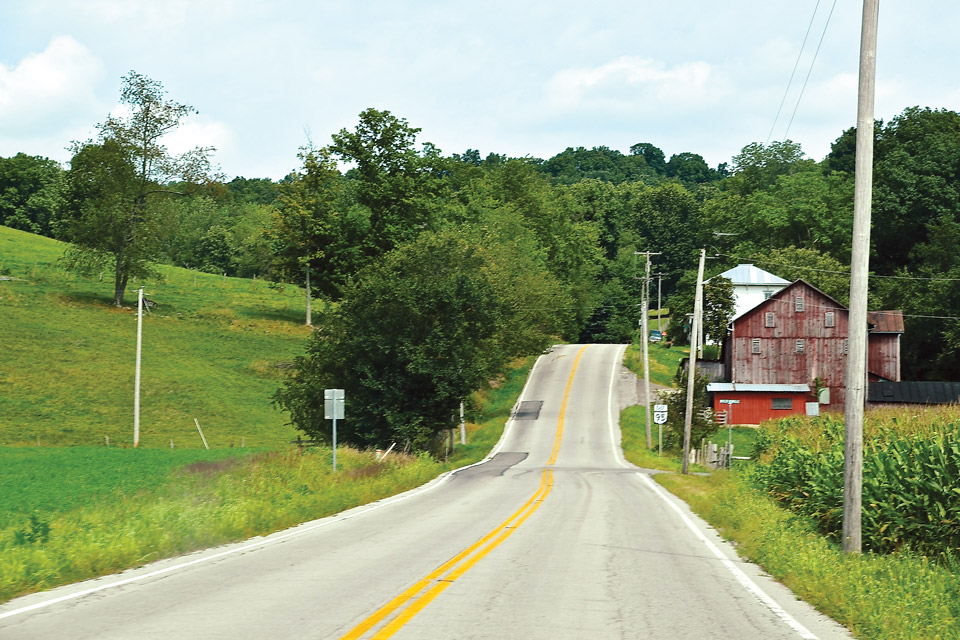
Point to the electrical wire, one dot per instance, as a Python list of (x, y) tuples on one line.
[(841, 273), (810, 70), (793, 73)]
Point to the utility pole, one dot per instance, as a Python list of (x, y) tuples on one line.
[(659, 308), (859, 268), (309, 322), (136, 380), (692, 362), (645, 341)]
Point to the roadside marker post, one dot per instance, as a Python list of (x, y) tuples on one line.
[(729, 404), (660, 419), (333, 410)]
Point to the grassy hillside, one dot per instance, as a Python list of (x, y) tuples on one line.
[(213, 349)]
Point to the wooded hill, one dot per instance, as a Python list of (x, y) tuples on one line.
[(545, 249)]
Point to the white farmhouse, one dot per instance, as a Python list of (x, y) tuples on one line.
[(751, 286)]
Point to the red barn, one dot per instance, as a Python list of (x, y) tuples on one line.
[(788, 355)]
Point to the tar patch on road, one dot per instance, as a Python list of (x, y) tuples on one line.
[(496, 465), (528, 410)]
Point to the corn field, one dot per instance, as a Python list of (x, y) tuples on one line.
[(911, 477)]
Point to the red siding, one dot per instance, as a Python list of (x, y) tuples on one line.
[(884, 356), (778, 361), (757, 406)]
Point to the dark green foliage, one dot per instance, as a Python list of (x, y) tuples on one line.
[(421, 329), (757, 167), (394, 181), (29, 193), (718, 307), (701, 426), (690, 169), (109, 211), (37, 531), (600, 163), (652, 155), (910, 483)]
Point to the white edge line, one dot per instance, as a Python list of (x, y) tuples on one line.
[(296, 531), (613, 419), (738, 573)]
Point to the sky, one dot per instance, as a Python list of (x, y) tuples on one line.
[(516, 77)]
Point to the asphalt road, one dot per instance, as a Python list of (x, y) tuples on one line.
[(554, 537)]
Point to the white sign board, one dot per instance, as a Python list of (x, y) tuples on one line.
[(333, 404), (660, 414)]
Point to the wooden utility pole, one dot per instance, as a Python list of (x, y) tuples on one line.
[(309, 322), (645, 342), (692, 362), (659, 308), (859, 268)]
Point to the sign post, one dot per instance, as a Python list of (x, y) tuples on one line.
[(333, 410), (729, 404), (660, 419)]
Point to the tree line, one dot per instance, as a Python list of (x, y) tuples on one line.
[(439, 268)]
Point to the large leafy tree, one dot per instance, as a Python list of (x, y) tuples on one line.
[(394, 181), (29, 192), (420, 329), (109, 213)]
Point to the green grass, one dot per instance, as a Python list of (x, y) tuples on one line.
[(742, 438), (663, 361), (215, 349), (52, 480), (879, 597), (102, 520), (894, 597)]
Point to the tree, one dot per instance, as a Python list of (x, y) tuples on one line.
[(319, 226), (109, 214), (690, 169), (702, 425), (29, 192), (718, 307), (393, 181), (757, 167), (422, 328), (652, 155)]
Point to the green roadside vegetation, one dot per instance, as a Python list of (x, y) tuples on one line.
[(902, 595), (220, 496), (664, 361), (214, 349)]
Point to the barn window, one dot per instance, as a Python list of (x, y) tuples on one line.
[(798, 303), (768, 321), (799, 348), (781, 403), (828, 319), (755, 345)]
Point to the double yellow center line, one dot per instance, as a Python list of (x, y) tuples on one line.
[(408, 604)]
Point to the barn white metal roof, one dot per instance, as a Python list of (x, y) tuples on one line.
[(776, 388), (749, 274)]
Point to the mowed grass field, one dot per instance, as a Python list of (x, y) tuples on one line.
[(214, 349)]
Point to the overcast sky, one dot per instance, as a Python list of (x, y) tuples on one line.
[(512, 77)]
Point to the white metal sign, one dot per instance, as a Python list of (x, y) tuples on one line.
[(333, 404), (659, 414)]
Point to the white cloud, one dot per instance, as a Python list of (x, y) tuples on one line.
[(53, 86), (629, 81), (200, 133)]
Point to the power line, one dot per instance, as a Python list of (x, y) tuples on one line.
[(834, 271), (810, 70), (792, 73)]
